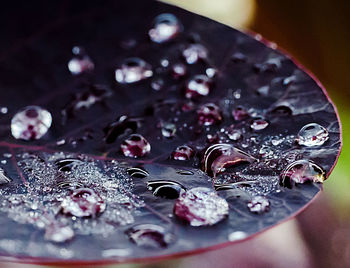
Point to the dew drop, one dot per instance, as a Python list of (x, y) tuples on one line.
[(81, 63), (259, 124), (209, 114), (312, 135), (195, 52), (133, 70), (201, 207), (135, 146), (199, 85), (83, 202), (301, 171), (122, 126), (58, 233), (234, 134), (31, 123), (150, 236), (182, 153), (166, 27), (165, 188), (168, 130), (259, 205)]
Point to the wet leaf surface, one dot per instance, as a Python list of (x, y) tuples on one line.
[(193, 103)]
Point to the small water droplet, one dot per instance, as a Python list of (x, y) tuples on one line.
[(182, 153), (237, 235), (259, 205), (263, 91), (157, 84), (199, 85), (237, 94), (166, 27), (135, 146), (301, 171), (58, 233), (83, 202), (240, 114), (150, 236), (168, 130), (31, 123), (195, 52), (259, 124), (234, 134), (238, 57), (209, 114), (133, 70), (3, 110), (60, 142), (312, 135), (81, 62), (124, 125), (201, 207)]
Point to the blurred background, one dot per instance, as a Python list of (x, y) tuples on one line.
[(317, 34)]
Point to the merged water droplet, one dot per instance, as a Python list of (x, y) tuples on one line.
[(201, 207), (259, 204), (150, 236), (168, 130), (259, 124), (182, 153), (301, 171), (133, 70), (31, 123), (166, 27), (199, 85), (195, 52), (312, 135), (209, 114), (58, 233), (135, 146), (218, 157), (83, 202), (165, 188), (81, 62)]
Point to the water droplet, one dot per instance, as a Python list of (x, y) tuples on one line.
[(165, 188), (178, 70), (61, 142), (137, 172), (238, 57), (150, 236), (168, 130), (201, 207), (157, 84), (80, 63), (166, 27), (3, 178), (240, 114), (259, 124), (312, 135), (83, 202), (210, 72), (199, 85), (263, 91), (7, 155), (195, 52), (218, 157), (209, 114), (124, 125), (259, 205), (58, 233), (234, 134), (301, 171), (133, 70), (237, 94), (182, 153), (31, 123), (135, 146), (276, 141), (3, 110), (184, 172), (237, 235), (164, 63)]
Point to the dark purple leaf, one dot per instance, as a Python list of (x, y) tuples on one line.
[(220, 110)]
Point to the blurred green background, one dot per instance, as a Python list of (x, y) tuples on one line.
[(317, 34)]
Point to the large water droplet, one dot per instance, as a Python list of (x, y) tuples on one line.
[(209, 114), (83, 202), (200, 207), (195, 52), (259, 205), (135, 146), (199, 85), (150, 236), (218, 157), (137, 172), (124, 125), (31, 123), (312, 135), (133, 70), (165, 188), (166, 27), (58, 233), (182, 153), (80, 63), (301, 171)]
